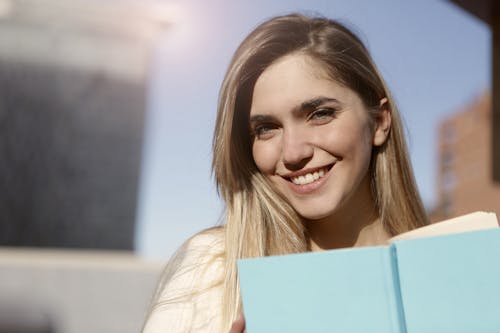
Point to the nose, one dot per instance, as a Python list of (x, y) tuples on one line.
[(296, 151)]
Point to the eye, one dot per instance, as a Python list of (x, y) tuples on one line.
[(264, 131), (323, 115)]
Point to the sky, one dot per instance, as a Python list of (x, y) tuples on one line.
[(434, 56)]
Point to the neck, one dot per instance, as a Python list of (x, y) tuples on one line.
[(352, 226)]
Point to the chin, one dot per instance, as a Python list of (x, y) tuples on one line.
[(317, 208), (314, 215)]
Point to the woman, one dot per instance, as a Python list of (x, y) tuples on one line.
[(309, 154)]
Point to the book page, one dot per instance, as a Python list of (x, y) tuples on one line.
[(470, 222)]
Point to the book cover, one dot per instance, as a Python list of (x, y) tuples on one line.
[(419, 283)]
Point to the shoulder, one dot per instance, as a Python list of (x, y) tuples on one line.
[(198, 261), (190, 290), (200, 250), (208, 242)]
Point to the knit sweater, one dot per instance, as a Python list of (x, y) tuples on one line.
[(190, 292)]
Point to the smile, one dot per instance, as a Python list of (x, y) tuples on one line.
[(309, 180), (309, 177)]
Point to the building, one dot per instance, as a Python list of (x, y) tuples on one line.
[(488, 11), (73, 87), (74, 291), (465, 162)]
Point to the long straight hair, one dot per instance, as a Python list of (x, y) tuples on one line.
[(258, 221)]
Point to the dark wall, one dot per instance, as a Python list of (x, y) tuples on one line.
[(70, 150), (489, 12), (495, 27)]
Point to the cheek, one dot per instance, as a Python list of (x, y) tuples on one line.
[(351, 142), (265, 157)]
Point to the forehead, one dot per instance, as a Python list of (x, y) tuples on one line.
[(291, 80)]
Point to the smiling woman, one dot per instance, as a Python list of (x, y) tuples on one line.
[(314, 149), (308, 155)]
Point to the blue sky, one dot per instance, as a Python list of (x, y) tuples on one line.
[(434, 57)]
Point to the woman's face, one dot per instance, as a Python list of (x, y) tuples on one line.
[(313, 138)]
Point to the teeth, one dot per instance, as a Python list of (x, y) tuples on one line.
[(308, 178)]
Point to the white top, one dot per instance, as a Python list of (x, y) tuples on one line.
[(190, 292)]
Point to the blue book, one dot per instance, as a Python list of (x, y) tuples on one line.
[(441, 278)]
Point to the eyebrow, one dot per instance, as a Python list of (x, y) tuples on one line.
[(259, 118), (315, 102), (303, 107)]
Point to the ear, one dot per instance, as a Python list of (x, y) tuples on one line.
[(382, 123)]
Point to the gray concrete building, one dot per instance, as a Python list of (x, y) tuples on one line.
[(73, 87), (73, 80), (61, 291)]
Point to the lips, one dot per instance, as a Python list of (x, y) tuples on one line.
[(309, 177), (308, 180)]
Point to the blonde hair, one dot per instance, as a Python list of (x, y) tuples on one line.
[(258, 221)]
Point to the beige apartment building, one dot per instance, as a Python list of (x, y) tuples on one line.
[(464, 182)]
